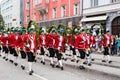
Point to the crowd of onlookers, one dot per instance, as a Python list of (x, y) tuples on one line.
[(115, 48)]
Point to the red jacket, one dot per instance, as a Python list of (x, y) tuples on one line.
[(69, 40), (10, 39), (22, 41), (92, 41), (75, 40), (59, 43), (81, 41), (107, 40), (29, 40), (42, 40), (50, 42), (4, 40), (16, 41)]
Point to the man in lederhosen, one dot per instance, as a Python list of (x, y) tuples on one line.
[(10, 44), (107, 40), (31, 48), (59, 47), (42, 44), (4, 40), (80, 45), (50, 42), (23, 37), (0, 42), (15, 46)]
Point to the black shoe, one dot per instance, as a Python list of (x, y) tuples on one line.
[(47, 55), (103, 61), (89, 64), (85, 62), (65, 59), (16, 64), (77, 61), (93, 59), (82, 67), (43, 63), (72, 60), (53, 65), (23, 67), (31, 72), (11, 61), (6, 59), (57, 66), (62, 68), (35, 60), (110, 62)]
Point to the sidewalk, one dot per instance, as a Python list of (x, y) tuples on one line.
[(100, 57), (107, 70)]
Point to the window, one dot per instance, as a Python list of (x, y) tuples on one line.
[(34, 16), (28, 19), (76, 9), (94, 3), (54, 0), (47, 1), (39, 1), (54, 13), (63, 11), (28, 6), (114, 1)]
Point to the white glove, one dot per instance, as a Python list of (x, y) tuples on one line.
[(38, 51), (58, 48), (32, 50), (76, 50), (27, 45), (91, 45), (72, 46), (18, 48)]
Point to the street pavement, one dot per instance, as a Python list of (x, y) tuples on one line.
[(46, 72)]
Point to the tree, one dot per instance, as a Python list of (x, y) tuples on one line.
[(2, 24)]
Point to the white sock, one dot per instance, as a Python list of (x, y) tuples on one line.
[(108, 58), (30, 66), (60, 62), (81, 62), (75, 57), (15, 59), (43, 59), (51, 60)]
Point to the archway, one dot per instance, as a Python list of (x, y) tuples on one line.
[(116, 26)]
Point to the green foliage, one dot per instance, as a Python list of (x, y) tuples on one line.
[(2, 25)]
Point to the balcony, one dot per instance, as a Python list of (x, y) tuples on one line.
[(42, 8)]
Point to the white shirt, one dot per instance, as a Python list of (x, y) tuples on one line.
[(32, 42), (60, 43)]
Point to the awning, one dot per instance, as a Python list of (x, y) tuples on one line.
[(98, 18)]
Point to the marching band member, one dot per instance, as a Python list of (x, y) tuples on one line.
[(31, 48), (69, 42), (0, 42), (23, 37), (4, 40), (15, 46), (107, 44), (10, 44), (59, 47), (42, 42), (90, 42), (80, 45), (50, 42)]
